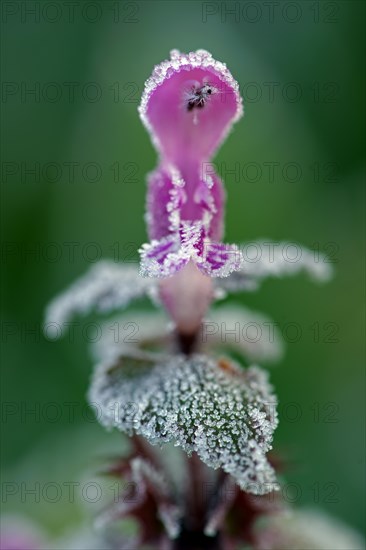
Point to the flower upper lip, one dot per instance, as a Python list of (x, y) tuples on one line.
[(163, 107)]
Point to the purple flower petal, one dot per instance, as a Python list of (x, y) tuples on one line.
[(188, 106), (162, 258), (205, 200), (174, 198), (220, 259)]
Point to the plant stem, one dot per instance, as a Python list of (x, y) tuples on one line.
[(187, 343)]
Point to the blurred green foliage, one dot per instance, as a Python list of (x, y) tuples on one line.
[(303, 87)]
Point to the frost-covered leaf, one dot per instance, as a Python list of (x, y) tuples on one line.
[(105, 287), (251, 333), (264, 259), (225, 414)]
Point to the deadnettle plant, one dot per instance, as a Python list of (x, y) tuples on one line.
[(177, 382)]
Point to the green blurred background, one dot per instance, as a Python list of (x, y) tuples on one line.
[(87, 65)]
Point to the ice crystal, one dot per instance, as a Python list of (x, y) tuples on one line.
[(225, 414), (105, 287)]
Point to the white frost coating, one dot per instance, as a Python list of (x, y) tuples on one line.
[(179, 61), (105, 287), (225, 414), (308, 530), (176, 196), (251, 333), (263, 259)]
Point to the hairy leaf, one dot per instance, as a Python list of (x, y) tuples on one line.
[(225, 414)]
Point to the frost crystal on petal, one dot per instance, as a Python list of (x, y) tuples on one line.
[(220, 260), (163, 258), (263, 259), (224, 413), (106, 287)]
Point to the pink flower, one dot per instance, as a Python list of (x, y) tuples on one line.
[(189, 105)]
